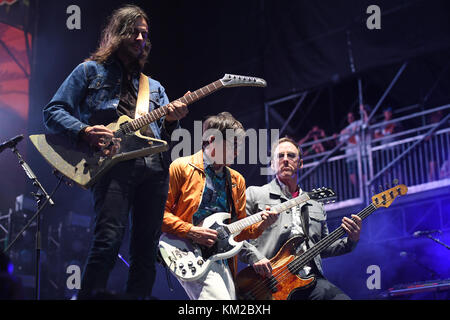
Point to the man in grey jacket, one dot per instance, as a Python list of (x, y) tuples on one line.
[(286, 162)]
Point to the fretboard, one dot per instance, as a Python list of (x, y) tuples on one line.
[(158, 113), (307, 256), (240, 225)]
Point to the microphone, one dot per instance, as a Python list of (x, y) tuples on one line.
[(424, 233), (11, 143)]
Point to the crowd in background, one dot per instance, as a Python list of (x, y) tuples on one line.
[(316, 140)]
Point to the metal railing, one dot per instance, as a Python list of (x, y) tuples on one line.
[(5, 227), (418, 157)]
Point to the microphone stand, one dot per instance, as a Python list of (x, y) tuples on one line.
[(42, 199)]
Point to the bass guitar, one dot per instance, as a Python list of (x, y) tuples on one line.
[(84, 165), (189, 261), (290, 259)]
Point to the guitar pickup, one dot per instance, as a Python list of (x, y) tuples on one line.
[(273, 283), (221, 233)]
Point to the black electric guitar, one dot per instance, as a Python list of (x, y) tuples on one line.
[(84, 165)]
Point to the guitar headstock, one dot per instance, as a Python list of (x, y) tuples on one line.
[(385, 198), (232, 80), (324, 195)]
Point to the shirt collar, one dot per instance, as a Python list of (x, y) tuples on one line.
[(207, 163)]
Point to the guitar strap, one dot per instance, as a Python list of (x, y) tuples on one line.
[(229, 188), (305, 222), (143, 99)]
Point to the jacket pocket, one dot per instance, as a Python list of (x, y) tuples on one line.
[(99, 91), (317, 216)]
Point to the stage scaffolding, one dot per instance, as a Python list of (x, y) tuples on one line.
[(417, 157)]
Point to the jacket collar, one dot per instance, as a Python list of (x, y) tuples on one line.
[(275, 190), (197, 161)]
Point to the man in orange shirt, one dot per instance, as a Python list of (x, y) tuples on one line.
[(197, 189)]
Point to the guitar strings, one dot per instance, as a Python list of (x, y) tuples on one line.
[(278, 209), (297, 263), (284, 271)]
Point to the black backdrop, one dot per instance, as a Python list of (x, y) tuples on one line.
[(294, 45)]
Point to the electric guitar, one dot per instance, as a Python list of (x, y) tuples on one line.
[(189, 261), (290, 259), (85, 166)]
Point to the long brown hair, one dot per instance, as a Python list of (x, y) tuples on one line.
[(120, 26)]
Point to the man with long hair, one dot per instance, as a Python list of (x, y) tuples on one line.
[(95, 94)]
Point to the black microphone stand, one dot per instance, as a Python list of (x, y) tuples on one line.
[(42, 199)]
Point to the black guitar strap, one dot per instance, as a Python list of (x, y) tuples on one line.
[(305, 222), (230, 201)]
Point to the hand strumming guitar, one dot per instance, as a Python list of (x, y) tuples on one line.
[(100, 137), (203, 236)]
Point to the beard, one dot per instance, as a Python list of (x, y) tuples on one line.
[(135, 58)]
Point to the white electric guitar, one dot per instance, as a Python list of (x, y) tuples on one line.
[(189, 261)]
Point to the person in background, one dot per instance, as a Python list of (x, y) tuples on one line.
[(351, 135)]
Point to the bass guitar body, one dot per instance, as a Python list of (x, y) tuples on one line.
[(291, 258), (283, 282)]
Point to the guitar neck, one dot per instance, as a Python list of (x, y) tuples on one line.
[(240, 225), (188, 99), (301, 261)]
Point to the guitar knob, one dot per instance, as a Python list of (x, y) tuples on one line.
[(200, 262), (193, 270), (190, 264), (181, 266), (183, 271)]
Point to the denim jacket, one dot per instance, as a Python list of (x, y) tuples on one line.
[(90, 96)]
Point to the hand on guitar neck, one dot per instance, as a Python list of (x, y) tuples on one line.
[(177, 110), (268, 218), (352, 227)]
